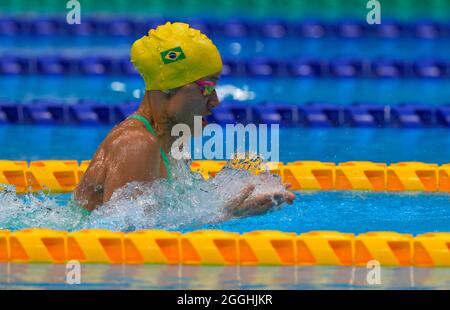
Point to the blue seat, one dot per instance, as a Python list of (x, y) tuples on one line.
[(413, 116), (305, 68), (389, 68), (320, 115), (14, 65), (365, 115), (346, 68), (431, 68), (53, 65)]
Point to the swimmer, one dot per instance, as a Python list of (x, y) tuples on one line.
[(180, 67)]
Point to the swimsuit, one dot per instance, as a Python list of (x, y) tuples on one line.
[(163, 154)]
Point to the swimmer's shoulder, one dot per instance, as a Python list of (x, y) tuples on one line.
[(131, 137)]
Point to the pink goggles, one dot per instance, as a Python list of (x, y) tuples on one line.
[(206, 87)]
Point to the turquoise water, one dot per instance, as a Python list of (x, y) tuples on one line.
[(343, 211), (240, 48), (326, 144), (353, 212), (97, 276), (119, 89), (188, 209)]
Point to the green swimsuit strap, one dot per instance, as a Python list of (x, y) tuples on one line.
[(163, 154)]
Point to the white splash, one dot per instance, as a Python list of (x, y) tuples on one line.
[(188, 201), (185, 202)]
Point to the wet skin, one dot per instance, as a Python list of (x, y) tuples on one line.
[(131, 153)]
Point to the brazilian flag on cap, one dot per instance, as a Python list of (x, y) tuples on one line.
[(172, 55)]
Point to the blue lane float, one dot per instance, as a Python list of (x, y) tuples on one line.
[(351, 29), (348, 68), (413, 116), (14, 65), (257, 67), (314, 114), (276, 113), (389, 68), (443, 116), (54, 65), (307, 68), (431, 68), (126, 26), (367, 115), (320, 115)]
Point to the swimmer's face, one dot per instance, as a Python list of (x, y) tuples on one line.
[(192, 100)]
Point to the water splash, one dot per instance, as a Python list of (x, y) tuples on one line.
[(187, 201), (37, 210)]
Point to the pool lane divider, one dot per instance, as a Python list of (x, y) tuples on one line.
[(341, 67), (216, 247), (115, 27), (313, 114), (62, 176)]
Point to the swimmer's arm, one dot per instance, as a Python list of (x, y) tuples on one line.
[(136, 158), (244, 205)]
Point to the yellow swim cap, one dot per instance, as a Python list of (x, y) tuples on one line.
[(174, 55)]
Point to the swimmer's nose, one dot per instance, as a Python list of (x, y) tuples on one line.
[(213, 100)]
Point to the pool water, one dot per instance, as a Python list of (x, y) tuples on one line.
[(240, 48), (345, 211), (388, 145), (98, 276), (353, 212), (342, 211), (247, 90)]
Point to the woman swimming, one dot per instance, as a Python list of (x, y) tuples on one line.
[(180, 67)]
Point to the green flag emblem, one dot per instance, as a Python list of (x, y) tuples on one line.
[(172, 55)]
